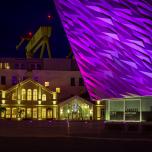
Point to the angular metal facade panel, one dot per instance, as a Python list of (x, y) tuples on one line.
[(112, 43)]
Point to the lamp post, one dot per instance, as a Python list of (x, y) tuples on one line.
[(68, 111), (68, 123)]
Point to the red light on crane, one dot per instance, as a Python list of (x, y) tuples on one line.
[(30, 33), (50, 17)]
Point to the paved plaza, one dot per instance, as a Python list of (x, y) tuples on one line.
[(66, 128), (75, 136)]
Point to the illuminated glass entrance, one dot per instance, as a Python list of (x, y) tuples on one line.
[(49, 113), (29, 113), (43, 113), (76, 109), (34, 113), (14, 112), (8, 112)]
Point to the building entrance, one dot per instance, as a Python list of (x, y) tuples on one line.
[(76, 109)]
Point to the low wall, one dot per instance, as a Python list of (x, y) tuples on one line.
[(141, 127)]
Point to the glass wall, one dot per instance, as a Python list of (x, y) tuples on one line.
[(146, 109), (116, 110), (132, 109), (124, 110)]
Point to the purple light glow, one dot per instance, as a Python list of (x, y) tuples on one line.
[(112, 43)]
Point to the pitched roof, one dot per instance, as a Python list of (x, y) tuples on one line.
[(26, 81), (75, 97)]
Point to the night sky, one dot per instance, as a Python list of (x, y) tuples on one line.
[(18, 17)]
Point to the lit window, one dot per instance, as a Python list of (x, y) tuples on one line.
[(54, 102), (14, 96), (54, 95), (34, 112), (61, 111), (3, 101), (7, 66), (35, 94), (98, 102), (14, 112), (23, 94), (8, 112), (19, 101), (29, 112), (29, 94), (1, 65), (3, 94), (43, 113), (47, 84), (39, 102), (43, 97), (58, 90)]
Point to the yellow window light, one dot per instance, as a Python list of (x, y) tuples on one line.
[(47, 84), (68, 111), (54, 102), (43, 97), (54, 95), (98, 102), (1, 65), (7, 66), (29, 94), (35, 94), (3, 101), (58, 90), (91, 112), (61, 111), (3, 94), (19, 101), (39, 102)]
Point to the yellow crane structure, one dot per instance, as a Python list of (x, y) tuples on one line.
[(40, 40)]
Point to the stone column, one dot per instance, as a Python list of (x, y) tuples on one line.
[(107, 110), (124, 110), (140, 110), (98, 110), (55, 112)]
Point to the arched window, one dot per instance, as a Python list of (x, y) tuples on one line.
[(35, 94), (23, 94), (14, 96), (29, 94), (54, 95), (43, 97)]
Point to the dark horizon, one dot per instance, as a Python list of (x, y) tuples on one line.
[(20, 17)]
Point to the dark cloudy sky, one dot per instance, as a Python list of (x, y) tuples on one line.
[(18, 17)]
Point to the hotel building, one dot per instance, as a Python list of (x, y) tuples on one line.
[(44, 89)]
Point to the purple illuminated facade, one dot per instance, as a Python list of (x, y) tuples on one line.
[(112, 43)]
